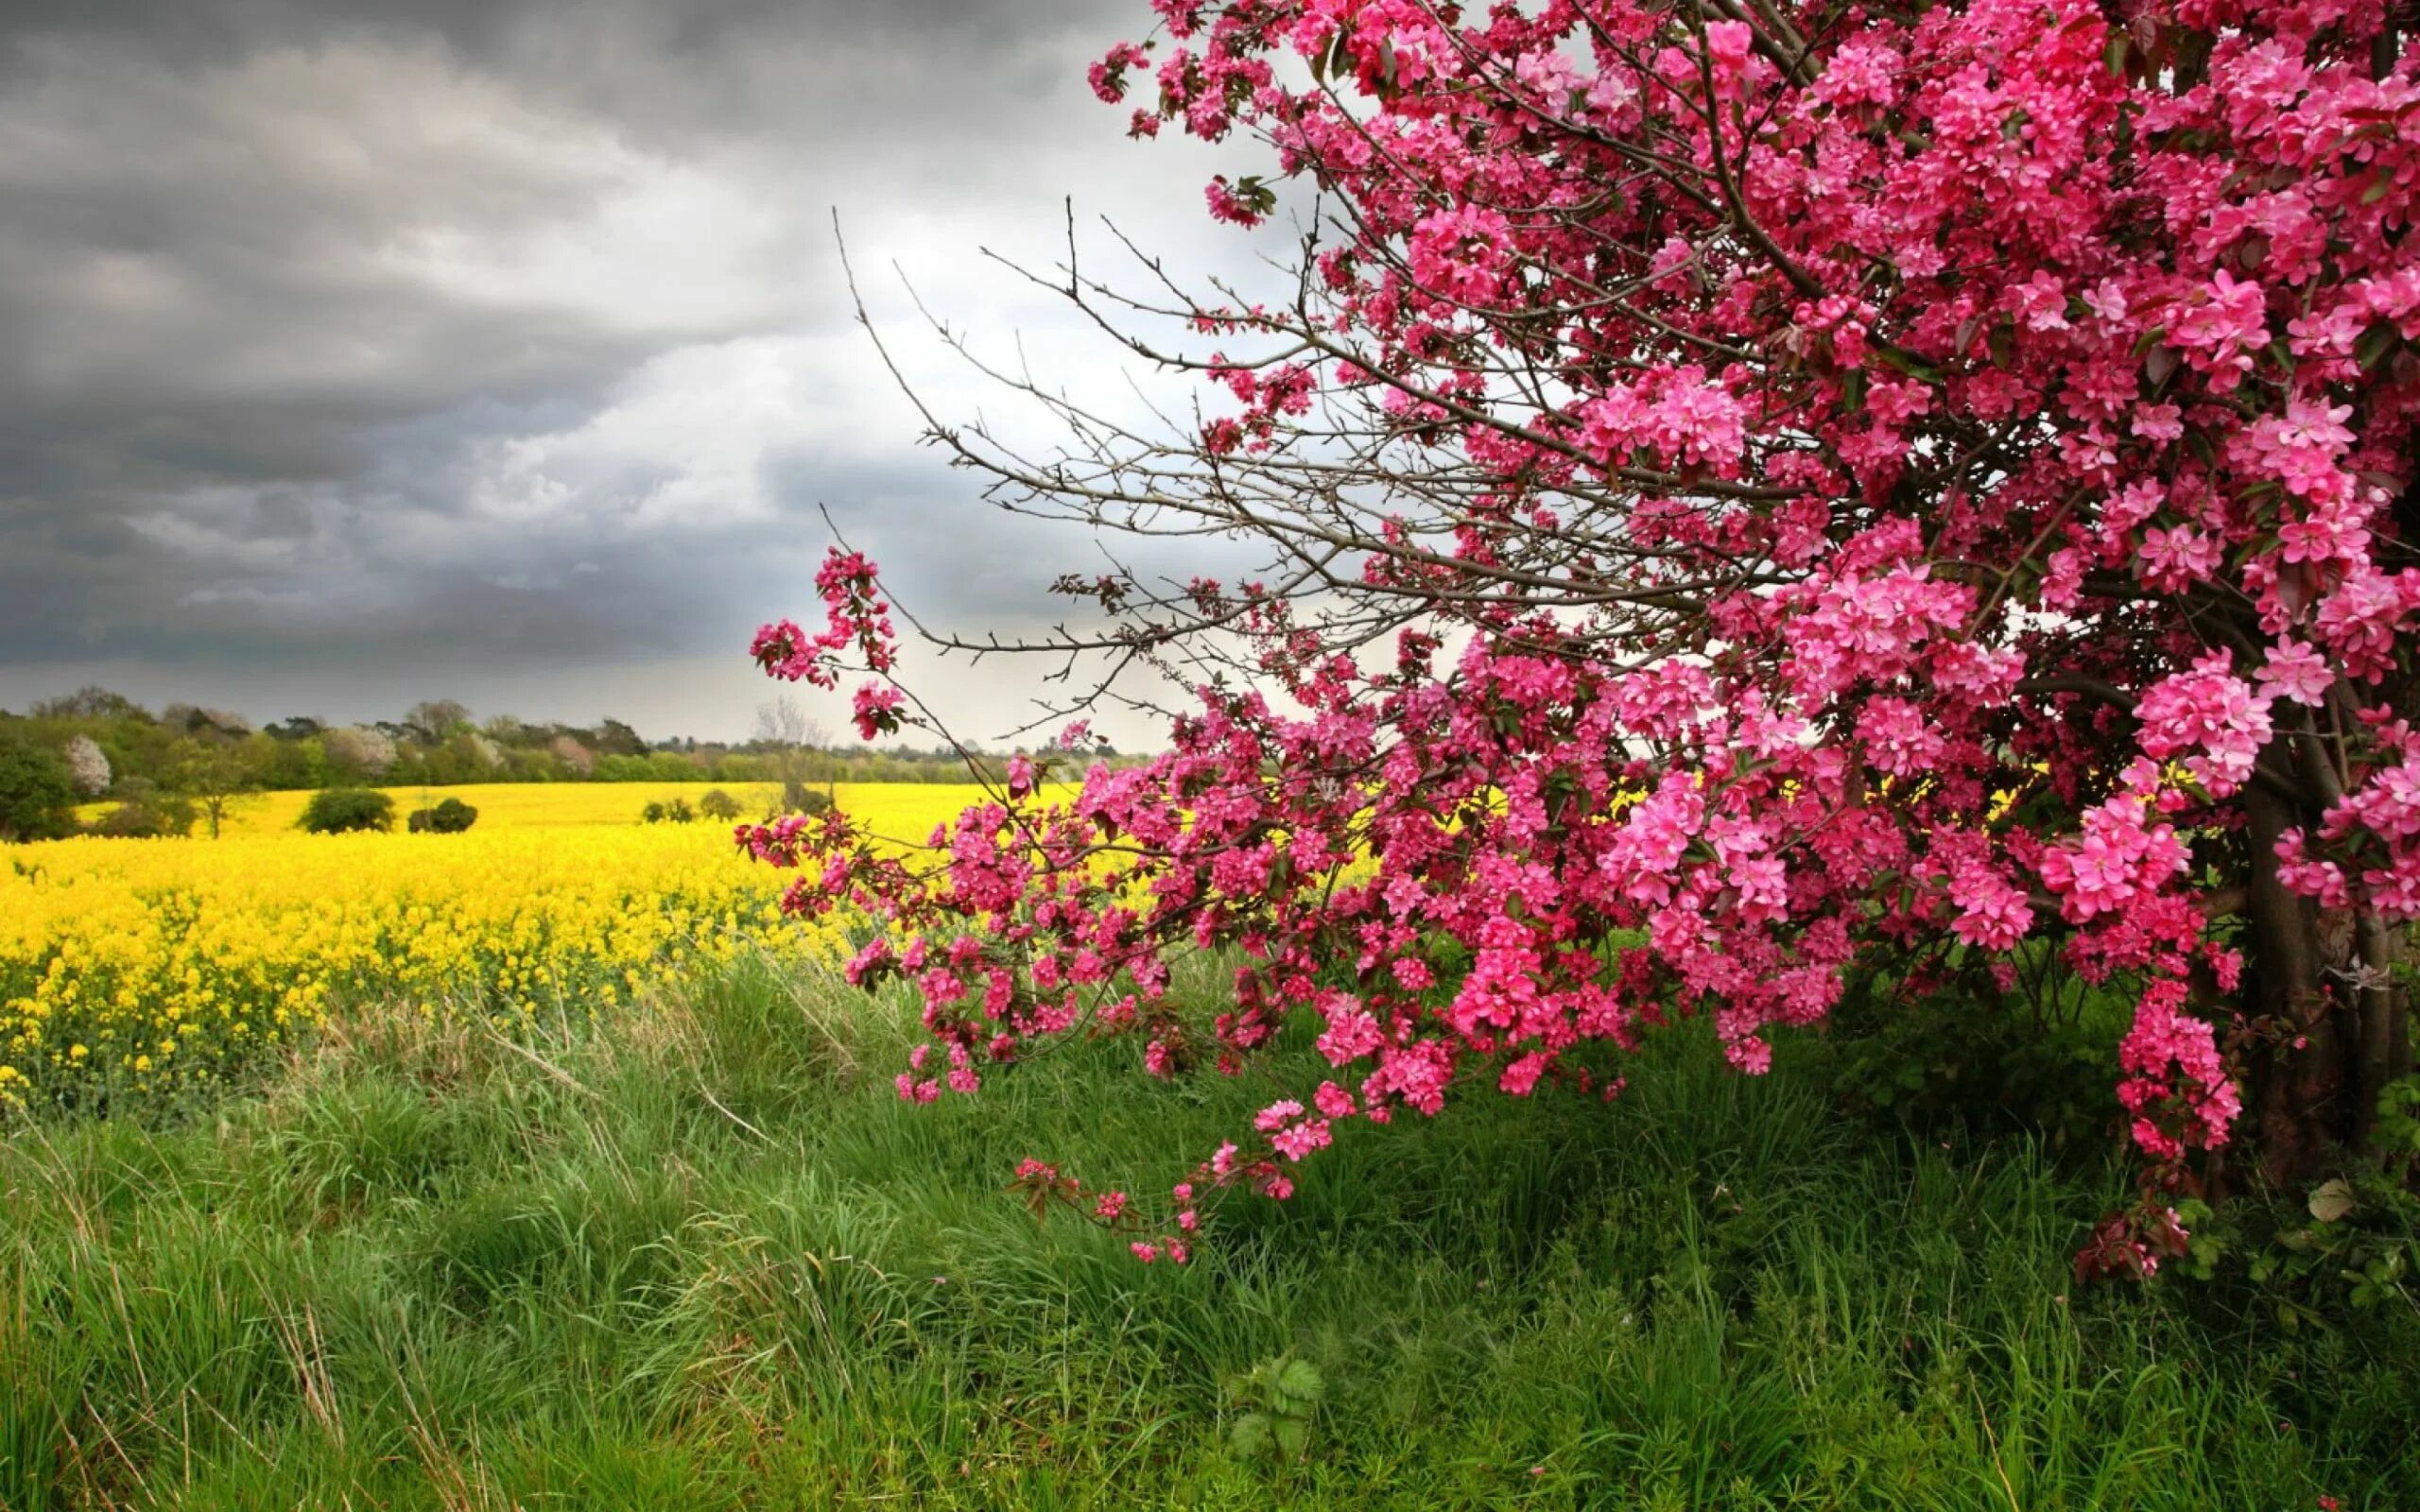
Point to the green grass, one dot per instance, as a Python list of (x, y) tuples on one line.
[(698, 1256)]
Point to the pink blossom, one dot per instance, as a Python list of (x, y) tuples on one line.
[(2210, 717), (2178, 557), (1992, 912), (876, 709), (2221, 326), (1728, 45), (1276, 1115), (2297, 672)]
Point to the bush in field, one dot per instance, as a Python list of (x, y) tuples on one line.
[(37, 792), (716, 804), (448, 816), (145, 811), (1922, 491), (342, 810)]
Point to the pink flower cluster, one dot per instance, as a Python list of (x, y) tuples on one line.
[(1680, 416), (857, 618), (2210, 717), (2171, 1056)]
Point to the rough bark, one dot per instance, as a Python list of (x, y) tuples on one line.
[(2384, 1036), (2295, 1081)]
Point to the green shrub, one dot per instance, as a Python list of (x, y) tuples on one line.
[(652, 813), (1279, 1401), (1955, 1050), (37, 793), (2333, 1257), (450, 816), (716, 804), (145, 813), (342, 810)]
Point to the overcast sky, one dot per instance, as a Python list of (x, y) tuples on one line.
[(354, 353)]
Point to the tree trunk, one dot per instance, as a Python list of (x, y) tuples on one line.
[(2333, 1027), (2294, 1086), (2384, 1045)]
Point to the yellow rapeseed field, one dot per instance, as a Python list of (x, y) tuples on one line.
[(145, 967), (501, 805)]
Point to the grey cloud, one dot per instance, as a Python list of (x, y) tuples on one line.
[(508, 337)]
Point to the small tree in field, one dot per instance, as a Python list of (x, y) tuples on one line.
[(1924, 490), (791, 740), (446, 817), (87, 766), (211, 775), (145, 811), (347, 810)]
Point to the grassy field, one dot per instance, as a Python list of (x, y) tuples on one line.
[(137, 968), (693, 1253)]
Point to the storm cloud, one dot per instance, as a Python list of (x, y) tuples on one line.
[(355, 353)]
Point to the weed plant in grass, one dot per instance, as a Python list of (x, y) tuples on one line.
[(695, 1254)]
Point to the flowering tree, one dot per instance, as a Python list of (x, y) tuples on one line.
[(478, 751), (359, 751), (573, 754), (87, 766), (1911, 488)]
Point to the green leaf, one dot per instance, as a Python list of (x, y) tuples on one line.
[(2374, 344), (1302, 1380), (1853, 391), (2332, 1200), (1892, 357), (1251, 1434), (1293, 1436), (1339, 56)]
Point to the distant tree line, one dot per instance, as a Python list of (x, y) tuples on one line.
[(178, 769)]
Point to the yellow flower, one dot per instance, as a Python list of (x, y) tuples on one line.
[(210, 954)]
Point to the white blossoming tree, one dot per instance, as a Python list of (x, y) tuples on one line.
[(87, 766), (358, 750)]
